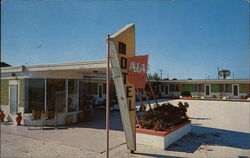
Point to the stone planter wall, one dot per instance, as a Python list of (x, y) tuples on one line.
[(161, 139)]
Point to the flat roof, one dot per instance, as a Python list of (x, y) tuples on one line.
[(70, 66), (205, 81)]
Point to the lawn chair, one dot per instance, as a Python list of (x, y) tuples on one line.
[(35, 119)]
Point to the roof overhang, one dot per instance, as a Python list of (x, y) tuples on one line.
[(94, 66)]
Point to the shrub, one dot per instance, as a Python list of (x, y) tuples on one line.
[(164, 117)]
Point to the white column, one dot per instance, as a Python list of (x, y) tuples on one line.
[(66, 95), (45, 94), (78, 90)]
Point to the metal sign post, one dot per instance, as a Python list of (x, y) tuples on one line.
[(107, 98)]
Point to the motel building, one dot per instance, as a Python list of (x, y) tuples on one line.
[(69, 88)]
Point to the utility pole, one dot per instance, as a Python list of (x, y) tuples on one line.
[(161, 73)]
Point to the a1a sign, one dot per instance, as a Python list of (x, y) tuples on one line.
[(137, 70)]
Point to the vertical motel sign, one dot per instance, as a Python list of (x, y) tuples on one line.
[(122, 47)]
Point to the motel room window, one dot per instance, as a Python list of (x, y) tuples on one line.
[(197, 87), (228, 88), (221, 87), (35, 89), (73, 95), (56, 99), (174, 87), (122, 48)]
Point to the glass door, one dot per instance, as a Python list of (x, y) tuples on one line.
[(13, 98)]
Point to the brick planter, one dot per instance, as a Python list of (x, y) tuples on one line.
[(162, 139)]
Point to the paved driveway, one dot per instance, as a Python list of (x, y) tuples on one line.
[(219, 129)]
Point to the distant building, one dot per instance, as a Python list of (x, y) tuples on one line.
[(228, 88)]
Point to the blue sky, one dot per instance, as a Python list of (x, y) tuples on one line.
[(186, 39)]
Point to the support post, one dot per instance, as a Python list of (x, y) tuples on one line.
[(138, 94), (107, 99), (152, 92), (147, 98)]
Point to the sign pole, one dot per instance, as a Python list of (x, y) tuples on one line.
[(144, 91), (152, 92), (107, 98), (139, 96)]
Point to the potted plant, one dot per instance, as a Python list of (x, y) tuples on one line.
[(19, 119), (2, 116), (68, 119), (163, 125), (81, 116)]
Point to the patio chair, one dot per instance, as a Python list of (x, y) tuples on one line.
[(35, 119)]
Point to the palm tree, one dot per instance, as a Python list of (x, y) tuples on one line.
[(223, 73)]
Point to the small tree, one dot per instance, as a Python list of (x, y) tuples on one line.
[(224, 73), (155, 76)]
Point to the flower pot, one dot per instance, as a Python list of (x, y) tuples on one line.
[(69, 119), (19, 119), (2, 116), (81, 116)]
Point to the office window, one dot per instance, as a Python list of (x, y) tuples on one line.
[(35, 95), (56, 95), (73, 95)]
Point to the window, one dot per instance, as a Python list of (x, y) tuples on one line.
[(228, 88), (197, 87), (56, 99), (35, 89), (221, 87), (122, 48), (174, 87), (73, 95)]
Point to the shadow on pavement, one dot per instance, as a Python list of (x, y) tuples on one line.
[(99, 121), (211, 136), (198, 118), (156, 155)]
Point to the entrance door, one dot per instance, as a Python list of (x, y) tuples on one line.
[(100, 91), (207, 89), (166, 89), (235, 90), (13, 99)]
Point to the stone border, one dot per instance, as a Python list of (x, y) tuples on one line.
[(162, 139)]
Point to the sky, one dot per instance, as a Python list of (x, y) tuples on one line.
[(184, 39)]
